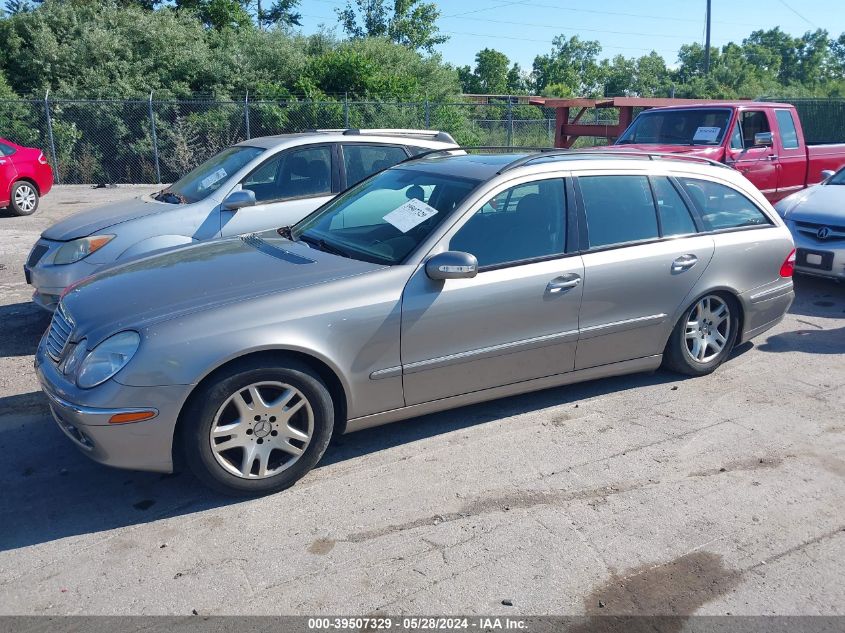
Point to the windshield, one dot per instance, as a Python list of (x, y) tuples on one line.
[(384, 218), (678, 127), (208, 177), (837, 179)]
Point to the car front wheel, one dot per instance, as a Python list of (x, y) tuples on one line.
[(704, 336), (256, 430), (24, 198)]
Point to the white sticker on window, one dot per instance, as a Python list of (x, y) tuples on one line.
[(410, 214), (707, 134), (216, 177)]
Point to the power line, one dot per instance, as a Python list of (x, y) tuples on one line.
[(546, 41), (798, 14)]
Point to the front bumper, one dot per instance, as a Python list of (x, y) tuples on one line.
[(49, 280), (83, 416), (829, 260)]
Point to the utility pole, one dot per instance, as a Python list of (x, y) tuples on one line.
[(707, 42), (260, 13)]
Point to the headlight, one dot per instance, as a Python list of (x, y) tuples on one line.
[(108, 358), (81, 248)]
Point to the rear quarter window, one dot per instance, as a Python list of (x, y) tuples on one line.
[(722, 207)]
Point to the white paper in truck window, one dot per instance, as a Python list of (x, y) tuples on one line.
[(707, 134), (410, 214), (214, 178)]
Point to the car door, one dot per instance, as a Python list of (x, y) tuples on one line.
[(8, 173), (792, 155), (518, 318), (287, 186), (755, 162), (642, 256), (361, 160)]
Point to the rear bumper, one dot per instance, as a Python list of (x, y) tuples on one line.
[(765, 307)]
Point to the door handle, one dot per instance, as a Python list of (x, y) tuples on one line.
[(773, 157), (684, 262), (566, 282)]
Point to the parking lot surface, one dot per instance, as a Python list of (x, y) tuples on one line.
[(641, 494)]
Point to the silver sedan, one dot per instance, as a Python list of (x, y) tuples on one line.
[(437, 283), (816, 218)]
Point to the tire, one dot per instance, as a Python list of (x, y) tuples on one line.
[(23, 198), (684, 354), (258, 439)]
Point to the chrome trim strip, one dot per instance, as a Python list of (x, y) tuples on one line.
[(387, 372), (82, 410), (619, 326), (647, 363), (489, 352), (765, 294)]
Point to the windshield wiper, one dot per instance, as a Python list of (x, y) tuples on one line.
[(325, 246)]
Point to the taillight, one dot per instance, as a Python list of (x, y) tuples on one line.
[(42, 159), (788, 266)]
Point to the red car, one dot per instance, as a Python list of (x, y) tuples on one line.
[(25, 176)]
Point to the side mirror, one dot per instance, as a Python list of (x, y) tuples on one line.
[(451, 265), (239, 199), (764, 139), (827, 173)]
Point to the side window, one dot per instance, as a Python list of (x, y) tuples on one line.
[(619, 209), (736, 137), (753, 122), (293, 174), (675, 218), (722, 207), (523, 222), (361, 161), (788, 133), (6, 150)]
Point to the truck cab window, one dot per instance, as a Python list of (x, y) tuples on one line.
[(753, 122)]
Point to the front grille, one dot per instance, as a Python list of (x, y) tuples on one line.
[(57, 336), (811, 229), (36, 254)]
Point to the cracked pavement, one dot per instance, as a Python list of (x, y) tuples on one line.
[(641, 494)]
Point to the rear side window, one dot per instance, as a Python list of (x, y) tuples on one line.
[(722, 207), (619, 209), (675, 218), (6, 150), (362, 161), (788, 133)]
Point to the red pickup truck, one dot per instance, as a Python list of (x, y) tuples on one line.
[(762, 140)]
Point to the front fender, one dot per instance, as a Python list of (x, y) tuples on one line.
[(154, 244)]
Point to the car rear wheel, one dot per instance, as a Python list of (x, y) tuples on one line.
[(704, 336), (24, 198), (256, 430)]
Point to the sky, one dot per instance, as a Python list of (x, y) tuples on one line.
[(523, 29)]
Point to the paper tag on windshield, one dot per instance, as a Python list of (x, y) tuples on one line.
[(217, 176), (410, 214), (707, 134)]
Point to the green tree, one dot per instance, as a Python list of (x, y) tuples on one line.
[(412, 23), (491, 68), (571, 68), (218, 14)]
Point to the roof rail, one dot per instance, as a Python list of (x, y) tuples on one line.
[(503, 148), (434, 135), (574, 153)]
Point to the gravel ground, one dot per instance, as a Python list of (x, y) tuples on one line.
[(642, 494)]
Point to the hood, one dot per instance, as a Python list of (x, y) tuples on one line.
[(96, 220), (822, 204), (199, 277), (713, 152)]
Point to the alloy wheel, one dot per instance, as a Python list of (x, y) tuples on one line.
[(261, 430), (25, 198), (708, 329)]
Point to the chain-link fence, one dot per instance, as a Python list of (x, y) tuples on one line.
[(148, 141)]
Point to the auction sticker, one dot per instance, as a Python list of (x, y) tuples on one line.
[(213, 178), (411, 214), (707, 134)]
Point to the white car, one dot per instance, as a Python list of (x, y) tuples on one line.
[(262, 183)]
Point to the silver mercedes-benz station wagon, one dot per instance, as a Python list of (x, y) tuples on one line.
[(440, 282)]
